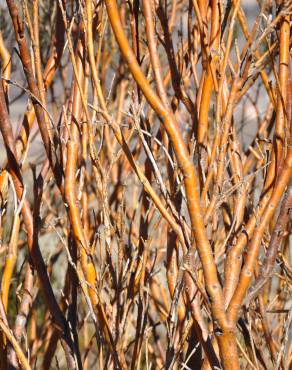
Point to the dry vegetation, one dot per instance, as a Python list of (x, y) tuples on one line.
[(152, 231)]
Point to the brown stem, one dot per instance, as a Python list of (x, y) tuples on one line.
[(32, 238)]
